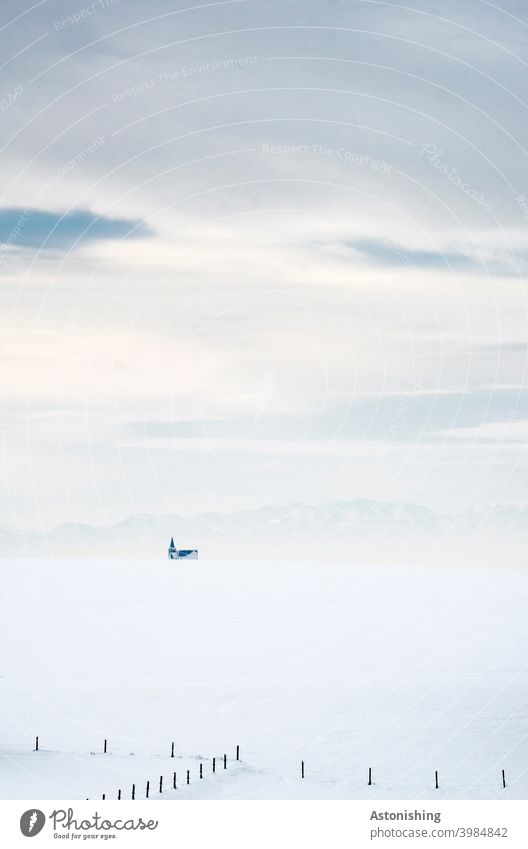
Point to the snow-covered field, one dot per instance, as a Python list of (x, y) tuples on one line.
[(346, 667)]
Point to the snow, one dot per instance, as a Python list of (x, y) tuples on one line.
[(403, 669)]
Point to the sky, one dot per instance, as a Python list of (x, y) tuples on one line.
[(261, 253)]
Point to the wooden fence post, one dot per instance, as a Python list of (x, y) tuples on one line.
[(503, 779), (119, 794), (436, 779), (172, 750), (174, 781), (225, 761), (161, 784), (104, 747), (133, 791), (147, 790), (201, 771), (214, 764), (188, 777), (238, 753), (370, 776), (36, 744), (302, 769)]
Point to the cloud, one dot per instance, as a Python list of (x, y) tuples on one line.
[(38, 228), (397, 417), (389, 253), (483, 258), (311, 173)]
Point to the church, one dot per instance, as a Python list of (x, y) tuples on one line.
[(182, 553)]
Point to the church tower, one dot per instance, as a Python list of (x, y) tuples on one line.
[(182, 553)]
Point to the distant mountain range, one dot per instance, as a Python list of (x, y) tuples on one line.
[(336, 529)]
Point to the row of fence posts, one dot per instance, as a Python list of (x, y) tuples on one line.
[(174, 785), (437, 785), (105, 750)]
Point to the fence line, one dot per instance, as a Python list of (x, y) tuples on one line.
[(370, 781)]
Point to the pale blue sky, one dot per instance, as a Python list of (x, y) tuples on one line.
[(261, 252)]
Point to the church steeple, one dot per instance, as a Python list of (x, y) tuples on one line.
[(182, 553)]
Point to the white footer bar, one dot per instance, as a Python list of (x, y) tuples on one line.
[(270, 825)]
